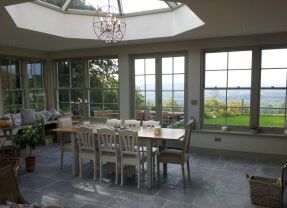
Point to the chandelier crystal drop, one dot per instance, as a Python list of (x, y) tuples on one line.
[(109, 24)]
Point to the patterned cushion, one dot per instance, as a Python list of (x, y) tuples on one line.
[(39, 115), (17, 118), (55, 113)]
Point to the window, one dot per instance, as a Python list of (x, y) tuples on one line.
[(11, 81), (104, 88), (227, 89), (273, 88), (173, 90), (36, 89), (70, 84), (58, 3), (145, 88), (160, 89)]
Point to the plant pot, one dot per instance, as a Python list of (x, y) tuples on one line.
[(30, 163)]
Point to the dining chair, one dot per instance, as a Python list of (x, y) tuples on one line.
[(132, 124), (130, 152), (175, 156), (87, 147), (150, 124), (113, 122), (65, 139), (108, 149)]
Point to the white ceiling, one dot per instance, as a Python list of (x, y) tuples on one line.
[(222, 18)]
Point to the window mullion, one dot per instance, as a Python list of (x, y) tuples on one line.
[(255, 88)]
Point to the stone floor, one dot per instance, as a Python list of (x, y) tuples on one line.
[(216, 181)]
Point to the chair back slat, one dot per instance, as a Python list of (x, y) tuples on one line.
[(150, 124), (107, 140), (187, 137), (129, 142), (86, 138)]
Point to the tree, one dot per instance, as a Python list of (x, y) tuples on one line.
[(169, 104), (139, 98), (213, 108)]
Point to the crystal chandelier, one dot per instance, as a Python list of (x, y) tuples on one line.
[(109, 24)]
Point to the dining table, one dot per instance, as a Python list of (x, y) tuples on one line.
[(147, 136)]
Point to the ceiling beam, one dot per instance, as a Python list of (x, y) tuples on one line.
[(120, 5), (66, 4), (11, 2)]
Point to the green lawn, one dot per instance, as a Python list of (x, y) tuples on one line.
[(265, 120)]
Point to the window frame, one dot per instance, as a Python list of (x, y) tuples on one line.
[(89, 88), (86, 83), (35, 88), (255, 89), (158, 82), (226, 89), (13, 108), (70, 87), (265, 129)]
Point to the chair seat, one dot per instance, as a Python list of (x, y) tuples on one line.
[(87, 154), (132, 159), (170, 156), (109, 157)]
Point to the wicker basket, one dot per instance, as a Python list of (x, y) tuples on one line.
[(265, 191)]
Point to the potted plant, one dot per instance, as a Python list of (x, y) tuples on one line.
[(31, 136)]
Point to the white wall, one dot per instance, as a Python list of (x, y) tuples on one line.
[(235, 142)]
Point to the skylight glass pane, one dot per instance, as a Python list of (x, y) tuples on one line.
[(130, 6), (91, 4), (58, 3)]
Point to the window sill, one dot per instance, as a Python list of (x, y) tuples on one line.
[(240, 133)]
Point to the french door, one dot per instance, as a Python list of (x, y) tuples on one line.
[(159, 89)]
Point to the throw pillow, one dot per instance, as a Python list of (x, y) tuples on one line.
[(28, 116), (17, 119), (39, 115), (47, 115), (55, 113)]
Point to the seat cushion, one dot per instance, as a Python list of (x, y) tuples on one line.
[(170, 156)]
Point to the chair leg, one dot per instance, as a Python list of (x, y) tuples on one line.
[(153, 169), (95, 168), (183, 175), (116, 171), (101, 170), (80, 164), (158, 173), (188, 171), (122, 174), (62, 157), (139, 176)]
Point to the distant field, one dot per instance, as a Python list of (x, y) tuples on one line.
[(265, 120)]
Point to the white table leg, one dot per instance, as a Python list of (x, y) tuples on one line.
[(149, 163), (75, 156)]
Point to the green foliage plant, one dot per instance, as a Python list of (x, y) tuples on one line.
[(31, 135)]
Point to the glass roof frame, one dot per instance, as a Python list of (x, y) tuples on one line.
[(63, 6)]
